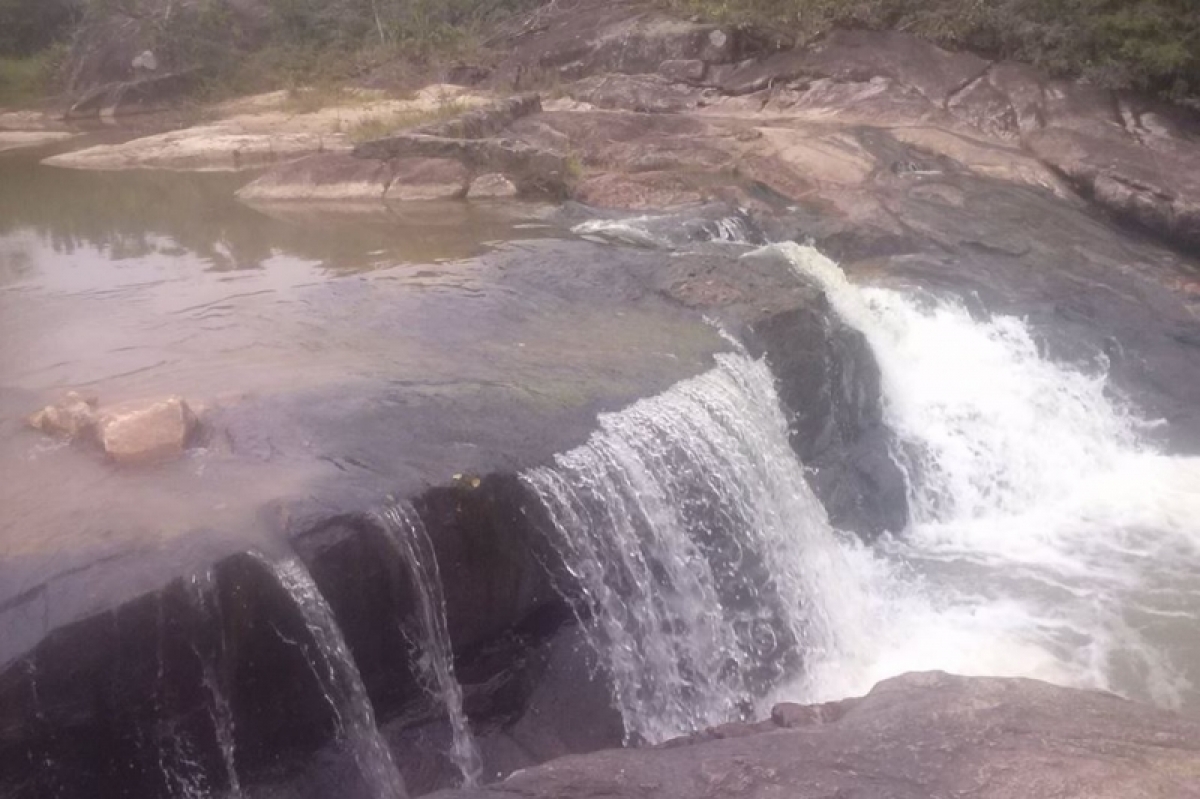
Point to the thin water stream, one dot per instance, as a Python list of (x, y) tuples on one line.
[(338, 676), (407, 535)]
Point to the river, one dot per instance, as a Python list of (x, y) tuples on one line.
[(1054, 532)]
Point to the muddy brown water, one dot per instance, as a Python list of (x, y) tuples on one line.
[(289, 324)]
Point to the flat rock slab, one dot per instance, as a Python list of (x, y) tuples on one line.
[(17, 140), (913, 737), (491, 364), (269, 129)]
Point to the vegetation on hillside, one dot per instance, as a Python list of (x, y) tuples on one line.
[(247, 44), (1153, 45)]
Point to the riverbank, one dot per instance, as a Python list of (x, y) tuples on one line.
[(461, 502)]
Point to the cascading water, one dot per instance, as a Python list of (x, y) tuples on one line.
[(408, 536), (698, 546), (341, 682), (1047, 540), (202, 593)]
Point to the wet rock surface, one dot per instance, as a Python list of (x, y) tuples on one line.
[(909, 164), (508, 614), (914, 736), (143, 433)]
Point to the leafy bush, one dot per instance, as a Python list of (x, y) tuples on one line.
[(26, 80), (1147, 44), (29, 26)]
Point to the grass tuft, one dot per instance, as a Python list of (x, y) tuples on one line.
[(391, 124)]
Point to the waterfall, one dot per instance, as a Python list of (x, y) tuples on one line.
[(699, 549), (341, 682), (1047, 540), (407, 535), (202, 594)]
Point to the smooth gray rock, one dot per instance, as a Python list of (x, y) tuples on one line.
[(913, 737)]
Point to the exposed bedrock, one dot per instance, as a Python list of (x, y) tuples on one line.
[(912, 737), (224, 672)]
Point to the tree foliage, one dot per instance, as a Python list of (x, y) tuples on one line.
[(30, 26), (1146, 44)]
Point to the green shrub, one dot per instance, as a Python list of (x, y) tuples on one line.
[(29, 26), (26, 80), (1152, 45)]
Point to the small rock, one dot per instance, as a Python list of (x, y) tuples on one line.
[(74, 417), (791, 716), (146, 62), (146, 432), (491, 186)]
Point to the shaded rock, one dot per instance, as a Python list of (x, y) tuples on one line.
[(447, 174), (341, 176), (72, 418), (648, 191), (835, 422), (688, 70), (912, 737), (651, 94), (486, 121), (146, 432), (427, 179), (580, 41), (326, 176), (533, 170), (757, 74), (791, 715), (1158, 188), (937, 74), (121, 704)]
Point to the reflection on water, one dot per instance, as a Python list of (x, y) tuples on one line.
[(48, 215), (143, 281), (363, 350), (135, 284)]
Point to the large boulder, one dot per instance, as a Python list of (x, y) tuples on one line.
[(574, 42), (143, 432), (913, 737)]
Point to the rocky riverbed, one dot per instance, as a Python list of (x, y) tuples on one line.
[(153, 643)]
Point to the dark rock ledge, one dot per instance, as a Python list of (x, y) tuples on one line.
[(100, 705)]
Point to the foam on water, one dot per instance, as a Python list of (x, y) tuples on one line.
[(1046, 540), (697, 542)]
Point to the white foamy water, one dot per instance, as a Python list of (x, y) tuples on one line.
[(1047, 540), (698, 544), (407, 535), (340, 681)]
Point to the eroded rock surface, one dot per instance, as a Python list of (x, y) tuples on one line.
[(265, 130), (639, 317), (72, 418), (912, 737), (146, 432)]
